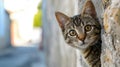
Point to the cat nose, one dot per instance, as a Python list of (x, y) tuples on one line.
[(81, 37)]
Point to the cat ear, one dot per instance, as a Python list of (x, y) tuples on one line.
[(61, 18), (89, 8)]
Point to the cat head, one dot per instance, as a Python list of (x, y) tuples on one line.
[(80, 31)]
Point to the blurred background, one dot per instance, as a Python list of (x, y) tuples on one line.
[(31, 37), (21, 33)]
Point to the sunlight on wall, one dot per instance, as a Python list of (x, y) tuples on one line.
[(22, 13)]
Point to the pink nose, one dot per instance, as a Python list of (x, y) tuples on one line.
[(81, 37)]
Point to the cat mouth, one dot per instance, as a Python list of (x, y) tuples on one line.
[(83, 44)]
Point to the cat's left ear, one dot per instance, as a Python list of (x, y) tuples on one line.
[(89, 8), (61, 18)]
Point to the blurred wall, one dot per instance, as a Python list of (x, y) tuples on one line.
[(21, 13), (4, 27)]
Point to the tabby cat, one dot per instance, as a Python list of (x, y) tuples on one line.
[(83, 31)]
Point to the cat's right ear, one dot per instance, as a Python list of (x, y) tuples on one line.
[(89, 8), (62, 19)]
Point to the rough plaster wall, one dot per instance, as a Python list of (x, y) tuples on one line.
[(111, 37)]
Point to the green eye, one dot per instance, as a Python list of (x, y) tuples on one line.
[(72, 33), (88, 27)]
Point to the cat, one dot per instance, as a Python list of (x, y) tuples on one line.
[(83, 32)]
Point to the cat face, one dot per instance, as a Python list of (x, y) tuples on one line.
[(80, 31)]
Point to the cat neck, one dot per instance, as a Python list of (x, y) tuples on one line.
[(92, 55)]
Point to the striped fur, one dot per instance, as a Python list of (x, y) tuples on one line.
[(92, 55)]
